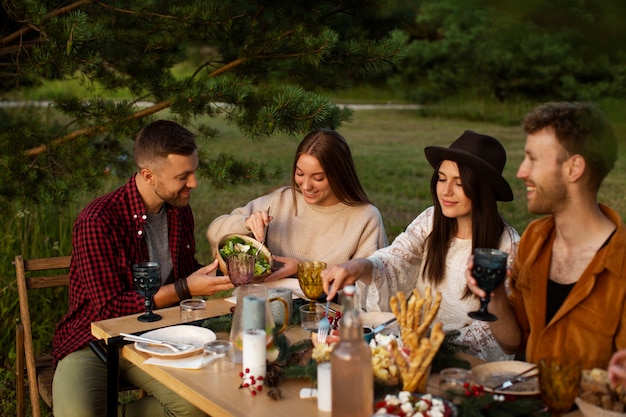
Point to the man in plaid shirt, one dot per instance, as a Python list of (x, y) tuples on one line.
[(148, 219)]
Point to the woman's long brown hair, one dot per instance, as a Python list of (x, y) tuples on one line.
[(487, 224), (333, 153)]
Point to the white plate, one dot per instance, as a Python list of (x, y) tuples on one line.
[(492, 374), (194, 335)]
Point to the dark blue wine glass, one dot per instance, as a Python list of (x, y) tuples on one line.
[(489, 271), (147, 281)]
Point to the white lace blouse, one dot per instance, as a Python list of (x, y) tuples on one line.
[(399, 267)]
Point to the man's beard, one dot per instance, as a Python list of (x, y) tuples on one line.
[(175, 199), (550, 199)]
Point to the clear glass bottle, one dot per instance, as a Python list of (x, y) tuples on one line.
[(351, 365)]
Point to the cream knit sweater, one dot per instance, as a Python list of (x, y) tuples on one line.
[(331, 234)]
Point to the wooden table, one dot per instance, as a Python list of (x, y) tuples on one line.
[(217, 394)]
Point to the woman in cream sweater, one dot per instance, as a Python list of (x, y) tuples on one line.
[(324, 215)]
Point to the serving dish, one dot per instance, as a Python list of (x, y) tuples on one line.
[(195, 336), (251, 245), (592, 410), (492, 374), (392, 405)]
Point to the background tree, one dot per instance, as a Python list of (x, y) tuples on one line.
[(511, 50), (265, 64)]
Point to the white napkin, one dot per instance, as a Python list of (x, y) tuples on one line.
[(189, 362)]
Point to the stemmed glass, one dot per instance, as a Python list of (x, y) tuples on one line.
[(147, 281), (310, 280), (559, 381), (489, 271)]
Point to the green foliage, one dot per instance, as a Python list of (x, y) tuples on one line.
[(31, 232), (218, 324), (547, 51), (266, 64), (478, 403)]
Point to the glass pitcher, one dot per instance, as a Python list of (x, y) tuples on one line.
[(253, 312)]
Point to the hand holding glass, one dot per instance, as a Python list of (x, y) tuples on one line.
[(147, 281), (489, 271)]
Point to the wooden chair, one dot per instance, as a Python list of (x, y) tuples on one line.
[(39, 369)]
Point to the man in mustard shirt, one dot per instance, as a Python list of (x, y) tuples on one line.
[(568, 282)]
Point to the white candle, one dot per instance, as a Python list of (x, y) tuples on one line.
[(254, 354), (324, 391)]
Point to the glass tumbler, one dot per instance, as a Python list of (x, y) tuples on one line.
[(453, 380), (219, 356), (192, 309)]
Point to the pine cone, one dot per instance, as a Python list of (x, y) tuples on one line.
[(272, 377), (274, 393)]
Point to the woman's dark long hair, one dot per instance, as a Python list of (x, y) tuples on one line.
[(487, 224), (333, 153)]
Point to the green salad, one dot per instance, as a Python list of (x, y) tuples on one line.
[(236, 245)]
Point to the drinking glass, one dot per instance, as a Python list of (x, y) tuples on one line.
[(147, 281), (452, 382), (310, 316), (489, 271), (241, 269), (310, 279), (219, 356), (559, 381), (192, 309)]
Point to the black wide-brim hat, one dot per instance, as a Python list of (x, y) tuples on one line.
[(481, 152)]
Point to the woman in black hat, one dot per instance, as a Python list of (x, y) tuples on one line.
[(434, 249)]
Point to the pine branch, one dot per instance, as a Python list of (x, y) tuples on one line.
[(28, 28)]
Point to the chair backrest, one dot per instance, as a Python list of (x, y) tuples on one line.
[(28, 276)]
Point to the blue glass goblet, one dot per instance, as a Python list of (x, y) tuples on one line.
[(147, 281), (489, 271)]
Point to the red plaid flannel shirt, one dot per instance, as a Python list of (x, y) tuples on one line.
[(108, 237)]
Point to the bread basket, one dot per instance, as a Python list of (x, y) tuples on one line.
[(252, 247)]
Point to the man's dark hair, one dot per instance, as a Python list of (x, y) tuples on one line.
[(160, 139)]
